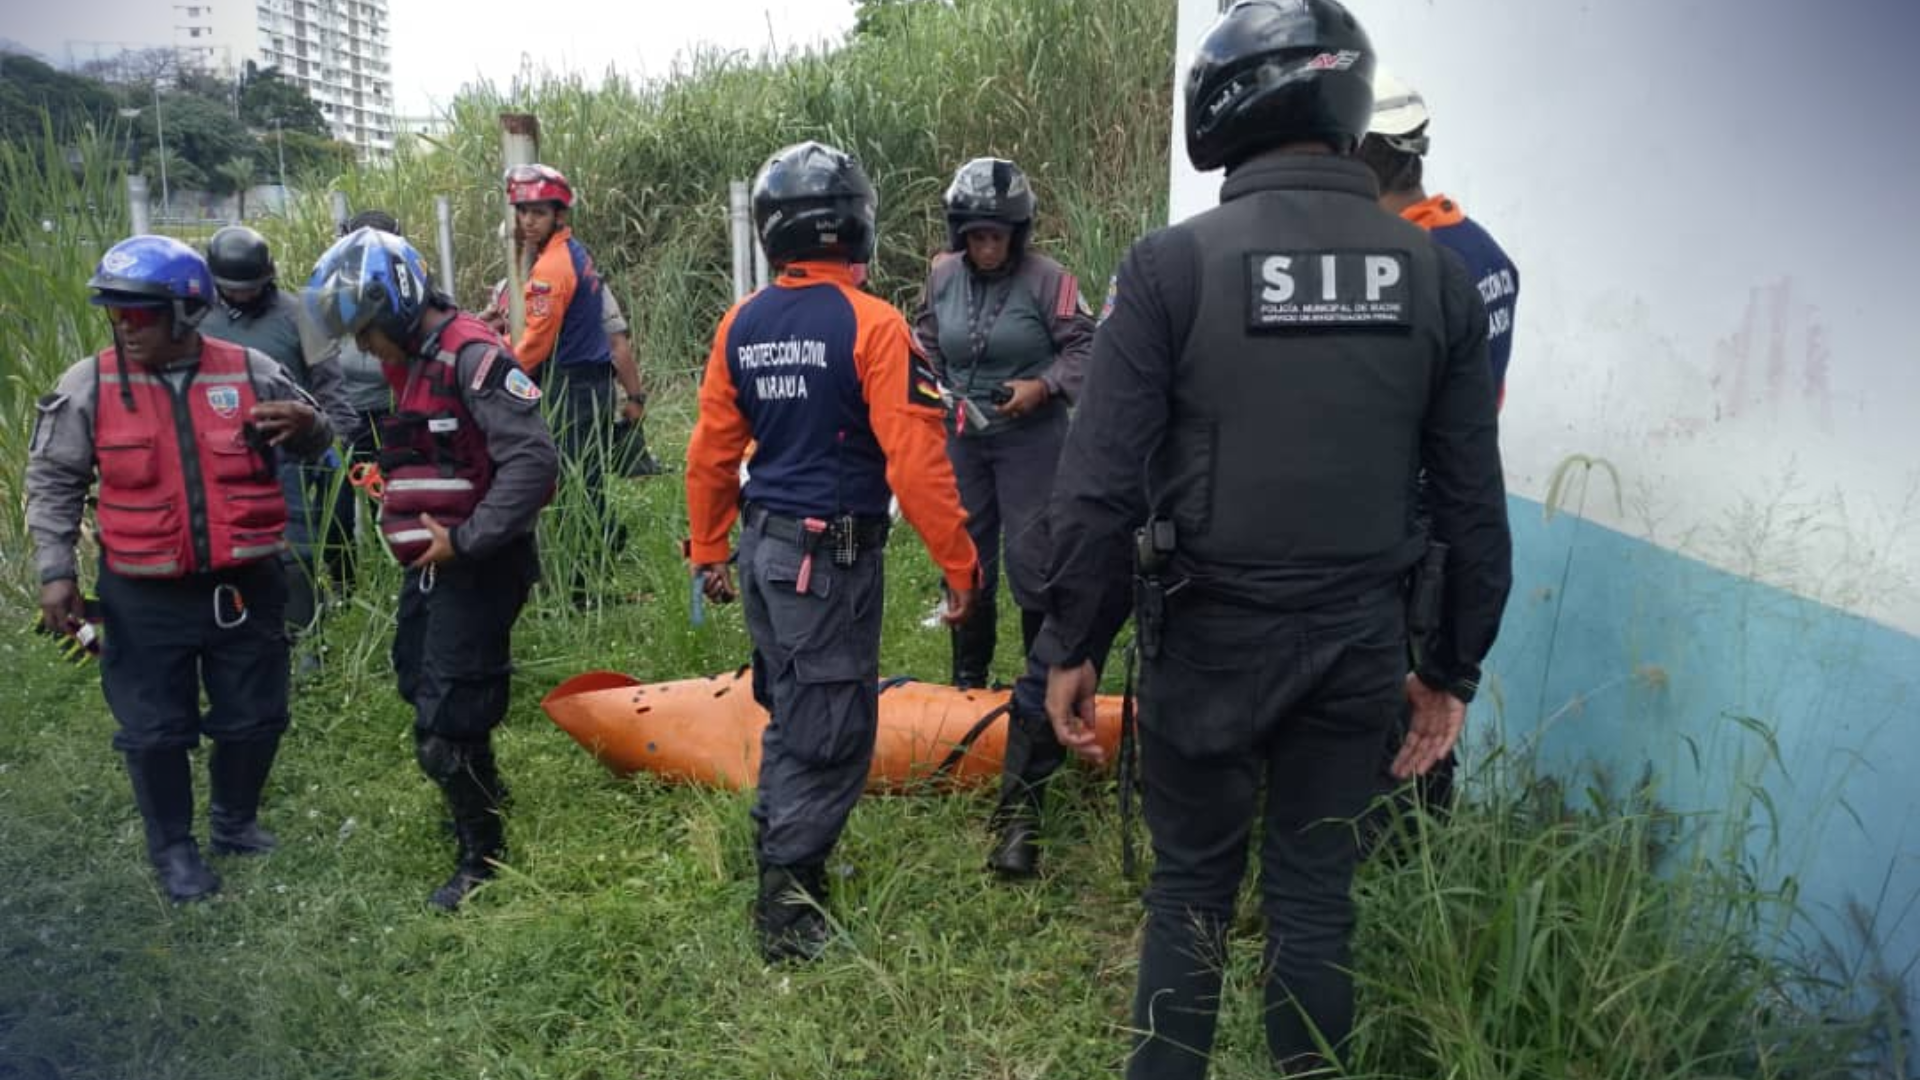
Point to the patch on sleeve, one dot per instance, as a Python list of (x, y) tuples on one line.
[(923, 387), (1113, 297), (537, 287), (45, 417), (520, 385), (483, 369), (1311, 290), (1069, 300), (540, 305)]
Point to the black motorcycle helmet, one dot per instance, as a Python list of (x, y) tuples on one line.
[(811, 201), (1272, 72), (989, 190), (239, 259)]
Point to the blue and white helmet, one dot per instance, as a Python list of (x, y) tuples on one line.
[(156, 272), (369, 279)]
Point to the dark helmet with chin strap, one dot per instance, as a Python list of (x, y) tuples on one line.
[(240, 259), (1272, 72), (989, 191), (812, 201)]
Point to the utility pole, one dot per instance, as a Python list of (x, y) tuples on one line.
[(160, 129), (280, 147)]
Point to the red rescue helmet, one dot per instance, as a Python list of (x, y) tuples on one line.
[(538, 183)]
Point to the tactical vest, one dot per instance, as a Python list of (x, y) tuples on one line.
[(996, 329), (1294, 435), (432, 455), (182, 487)]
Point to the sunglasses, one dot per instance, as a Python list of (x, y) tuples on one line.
[(136, 318)]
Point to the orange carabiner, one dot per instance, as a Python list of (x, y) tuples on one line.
[(365, 475)]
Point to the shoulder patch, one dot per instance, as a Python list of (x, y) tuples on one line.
[(1069, 300), (536, 287), (1328, 290), (520, 385), (1113, 297), (483, 369)]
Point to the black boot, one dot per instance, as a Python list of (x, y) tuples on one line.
[(973, 643), (238, 771), (1032, 756), (163, 790), (790, 914), (467, 774)]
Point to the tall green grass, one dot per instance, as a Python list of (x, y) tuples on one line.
[(1542, 933)]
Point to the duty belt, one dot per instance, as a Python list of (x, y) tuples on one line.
[(840, 533)]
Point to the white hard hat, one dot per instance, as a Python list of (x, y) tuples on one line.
[(1399, 113)]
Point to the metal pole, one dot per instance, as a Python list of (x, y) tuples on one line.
[(443, 212), (160, 130), (740, 219), (338, 202), (280, 147), (519, 145), (137, 204)]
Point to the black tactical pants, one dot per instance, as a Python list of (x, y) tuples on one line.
[(816, 668), (453, 647), (1239, 699), (167, 639), (1005, 480)]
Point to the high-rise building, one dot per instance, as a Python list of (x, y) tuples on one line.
[(335, 50)]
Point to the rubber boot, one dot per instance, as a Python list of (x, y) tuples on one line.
[(973, 643), (163, 790), (238, 771), (790, 914), (1030, 760), (1177, 1002), (471, 782)]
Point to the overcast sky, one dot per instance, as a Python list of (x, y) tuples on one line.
[(438, 44)]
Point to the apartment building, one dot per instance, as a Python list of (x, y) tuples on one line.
[(336, 50)]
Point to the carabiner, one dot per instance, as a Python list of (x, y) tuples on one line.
[(231, 592)]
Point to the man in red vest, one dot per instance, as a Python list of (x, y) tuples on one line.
[(185, 433), (467, 463)]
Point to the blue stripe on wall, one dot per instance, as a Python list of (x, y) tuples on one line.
[(1647, 655)]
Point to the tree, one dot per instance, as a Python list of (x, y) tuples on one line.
[(198, 133), (33, 93), (266, 96), (312, 154), (236, 174)]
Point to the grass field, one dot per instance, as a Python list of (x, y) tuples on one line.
[(1557, 927)]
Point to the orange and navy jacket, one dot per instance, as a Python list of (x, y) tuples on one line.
[(1493, 273), (563, 308), (824, 379)]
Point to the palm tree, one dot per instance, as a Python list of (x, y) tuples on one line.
[(238, 172)]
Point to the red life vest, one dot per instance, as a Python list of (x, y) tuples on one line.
[(432, 454), (183, 494)]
